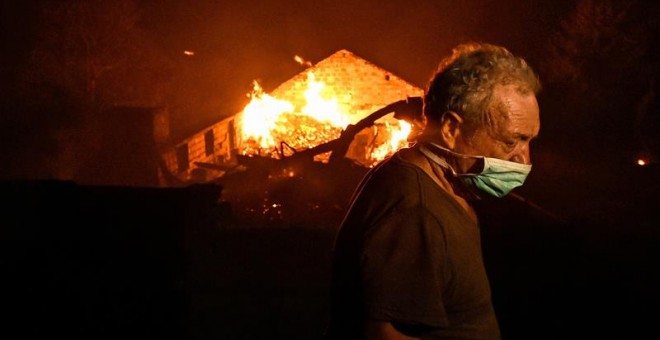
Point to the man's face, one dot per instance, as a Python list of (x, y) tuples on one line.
[(513, 121)]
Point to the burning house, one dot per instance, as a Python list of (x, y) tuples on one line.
[(311, 108), (343, 108)]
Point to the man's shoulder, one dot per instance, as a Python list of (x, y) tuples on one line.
[(389, 187), (398, 176), (395, 170)]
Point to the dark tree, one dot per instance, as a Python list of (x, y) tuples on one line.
[(603, 62), (95, 55)]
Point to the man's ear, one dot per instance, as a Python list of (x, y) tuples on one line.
[(450, 123)]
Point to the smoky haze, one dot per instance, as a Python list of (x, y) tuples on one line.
[(236, 42), (240, 41), (603, 64)]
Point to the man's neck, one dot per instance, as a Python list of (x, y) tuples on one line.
[(437, 174)]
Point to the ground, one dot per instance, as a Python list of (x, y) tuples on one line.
[(116, 262)]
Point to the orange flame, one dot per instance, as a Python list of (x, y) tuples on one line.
[(323, 110), (399, 139), (267, 121), (261, 115)]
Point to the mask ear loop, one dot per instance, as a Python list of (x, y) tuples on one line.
[(442, 162)]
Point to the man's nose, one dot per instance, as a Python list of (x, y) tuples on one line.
[(521, 155)]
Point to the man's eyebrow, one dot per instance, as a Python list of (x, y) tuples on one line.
[(524, 136)]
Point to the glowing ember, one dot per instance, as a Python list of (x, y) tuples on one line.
[(641, 162), (302, 61), (267, 123)]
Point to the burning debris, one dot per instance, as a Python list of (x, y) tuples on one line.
[(297, 187)]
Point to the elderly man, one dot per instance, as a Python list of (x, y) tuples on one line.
[(408, 260)]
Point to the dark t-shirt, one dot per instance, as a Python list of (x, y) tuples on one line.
[(408, 253)]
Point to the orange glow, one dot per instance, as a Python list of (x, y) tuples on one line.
[(266, 122), (260, 117), (399, 139), (321, 109), (641, 162), (189, 53)]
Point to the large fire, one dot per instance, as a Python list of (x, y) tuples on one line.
[(275, 128)]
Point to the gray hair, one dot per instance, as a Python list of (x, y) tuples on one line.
[(464, 81)]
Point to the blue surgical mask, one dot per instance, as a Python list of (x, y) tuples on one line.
[(498, 177)]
